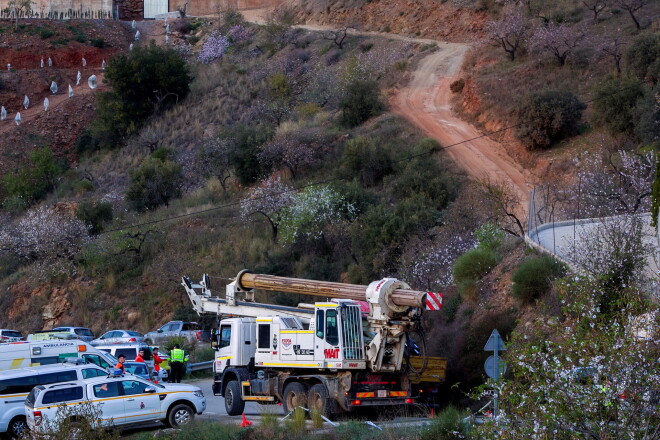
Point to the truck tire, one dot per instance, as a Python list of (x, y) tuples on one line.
[(234, 403), (17, 427), (180, 415), (319, 401), (295, 395)]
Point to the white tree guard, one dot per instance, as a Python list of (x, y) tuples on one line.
[(137, 35), (103, 65), (53, 87), (26, 102), (70, 91), (17, 119), (3, 113), (78, 78), (42, 63), (91, 82), (84, 62), (46, 104), (133, 25), (50, 62)]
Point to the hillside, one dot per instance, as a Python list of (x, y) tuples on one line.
[(306, 153)]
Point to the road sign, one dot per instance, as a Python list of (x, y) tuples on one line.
[(489, 366), (495, 342)]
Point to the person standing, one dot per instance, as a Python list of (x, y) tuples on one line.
[(140, 356), (177, 358), (157, 361), (120, 365)]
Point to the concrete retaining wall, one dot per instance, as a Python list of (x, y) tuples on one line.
[(44, 7)]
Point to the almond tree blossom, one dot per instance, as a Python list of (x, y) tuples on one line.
[(510, 32), (583, 375), (560, 40), (290, 150), (214, 48), (50, 237), (311, 210), (268, 199)]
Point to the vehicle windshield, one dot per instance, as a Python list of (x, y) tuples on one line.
[(32, 397), (12, 334), (83, 332)]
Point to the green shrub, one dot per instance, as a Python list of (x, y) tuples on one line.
[(447, 425), (615, 101), (154, 183), (144, 81), (489, 236), (46, 33), (360, 102), (367, 161), (647, 118), (94, 215), (33, 182), (474, 264), (534, 278), (643, 57), (98, 42), (547, 117), (244, 150)]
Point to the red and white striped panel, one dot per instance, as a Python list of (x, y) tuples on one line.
[(433, 301)]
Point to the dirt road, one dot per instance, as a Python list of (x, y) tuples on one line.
[(426, 102)]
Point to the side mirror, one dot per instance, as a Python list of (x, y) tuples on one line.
[(150, 390), (159, 331)]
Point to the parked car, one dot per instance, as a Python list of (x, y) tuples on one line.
[(10, 335), (141, 369), (15, 385), (82, 333), (118, 337), (128, 350), (191, 331), (49, 335), (122, 400)]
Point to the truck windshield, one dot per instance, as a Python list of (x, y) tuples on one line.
[(351, 327)]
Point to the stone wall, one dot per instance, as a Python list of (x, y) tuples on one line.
[(130, 9)]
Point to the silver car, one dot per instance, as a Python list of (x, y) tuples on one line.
[(82, 333), (119, 337), (10, 335)]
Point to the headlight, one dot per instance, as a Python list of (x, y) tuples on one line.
[(198, 393)]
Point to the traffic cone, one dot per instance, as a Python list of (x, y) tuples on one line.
[(245, 422)]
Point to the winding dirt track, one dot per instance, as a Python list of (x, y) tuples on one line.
[(426, 102)]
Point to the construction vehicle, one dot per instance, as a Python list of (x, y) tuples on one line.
[(353, 351)]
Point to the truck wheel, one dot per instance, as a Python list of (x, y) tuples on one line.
[(319, 401), (295, 395), (17, 427), (180, 415), (234, 403)]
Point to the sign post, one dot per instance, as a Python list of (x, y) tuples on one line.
[(494, 366)]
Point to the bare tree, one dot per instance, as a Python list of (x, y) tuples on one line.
[(510, 31), (338, 36), (214, 160), (504, 205), (612, 46), (595, 6), (558, 39), (292, 150), (632, 6), (267, 199)]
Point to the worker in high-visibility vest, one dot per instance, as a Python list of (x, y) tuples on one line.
[(177, 358)]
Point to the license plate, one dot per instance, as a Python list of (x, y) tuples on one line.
[(382, 393)]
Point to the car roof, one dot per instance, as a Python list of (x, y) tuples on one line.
[(128, 345), (40, 369), (69, 326)]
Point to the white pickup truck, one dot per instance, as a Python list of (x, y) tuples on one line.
[(117, 401)]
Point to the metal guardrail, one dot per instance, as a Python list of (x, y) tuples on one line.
[(199, 366)]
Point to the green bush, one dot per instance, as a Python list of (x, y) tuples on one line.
[(94, 215), (46, 33), (534, 277), (367, 161), (447, 425), (360, 101), (547, 117), (32, 182), (643, 57), (144, 81), (474, 264), (489, 236), (646, 115), (98, 42), (154, 183), (615, 101), (244, 150)]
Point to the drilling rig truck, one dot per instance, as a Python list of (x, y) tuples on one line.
[(356, 349)]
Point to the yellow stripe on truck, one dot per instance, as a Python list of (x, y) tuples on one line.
[(398, 393), (363, 395), (16, 363)]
